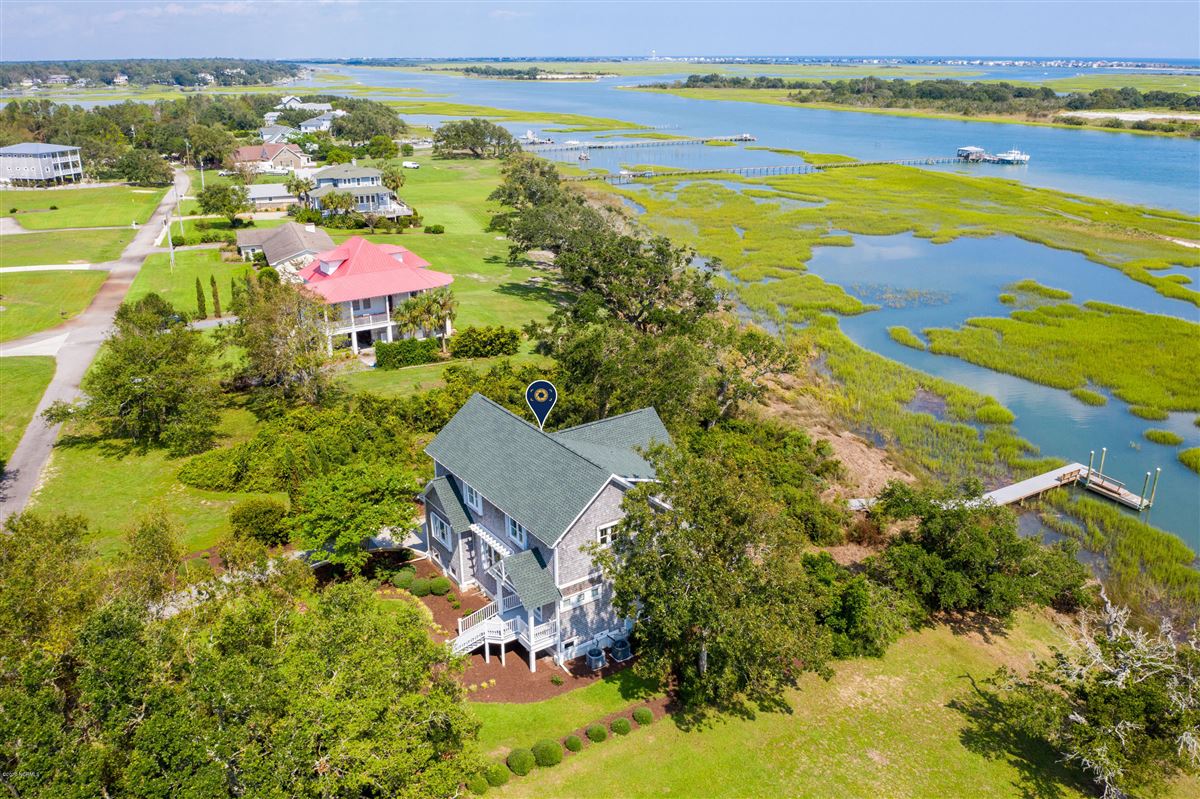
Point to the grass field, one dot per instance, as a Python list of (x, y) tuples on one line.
[(24, 380), (64, 247), (111, 485), (1148, 82), (410, 379), (508, 725), (34, 301), (565, 122), (453, 193), (885, 727), (178, 285), (103, 207)]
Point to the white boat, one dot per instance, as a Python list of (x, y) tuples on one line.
[(1012, 157), (584, 157)]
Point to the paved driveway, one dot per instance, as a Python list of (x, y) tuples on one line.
[(74, 345)]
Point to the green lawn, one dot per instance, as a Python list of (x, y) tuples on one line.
[(111, 485), (453, 193), (878, 728), (216, 223), (64, 247), (509, 725), (24, 381), (115, 205), (34, 301), (178, 285), (410, 379)]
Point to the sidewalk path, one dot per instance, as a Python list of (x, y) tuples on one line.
[(74, 344), (8, 270), (11, 227)]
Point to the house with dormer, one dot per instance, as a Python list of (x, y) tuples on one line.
[(515, 512), (364, 184)]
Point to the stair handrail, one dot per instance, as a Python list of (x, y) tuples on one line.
[(481, 615)]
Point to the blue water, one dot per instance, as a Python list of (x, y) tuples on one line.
[(968, 275), (1148, 170)]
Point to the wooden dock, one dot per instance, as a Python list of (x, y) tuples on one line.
[(627, 143), (1070, 474), (747, 171)]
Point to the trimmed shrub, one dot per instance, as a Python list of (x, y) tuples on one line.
[(643, 716), (496, 775), (596, 733), (435, 229), (485, 342), (420, 586), (406, 352), (260, 519), (573, 743), (621, 726), (477, 784), (521, 762), (439, 586), (403, 578), (547, 753)]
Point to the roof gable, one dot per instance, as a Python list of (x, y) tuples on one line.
[(364, 269), (614, 442)]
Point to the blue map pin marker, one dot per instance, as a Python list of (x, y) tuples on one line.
[(541, 396)]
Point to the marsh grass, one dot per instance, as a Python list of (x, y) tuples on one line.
[(1070, 346), (1148, 568), (902, 335), (1191, 459), (1166, 437), (1089, 397), (1149, 412), (1035, 288)]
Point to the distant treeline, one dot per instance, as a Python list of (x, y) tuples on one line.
[(946, 94), (148, 71), (503, 72)]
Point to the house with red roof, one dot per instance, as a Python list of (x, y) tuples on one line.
[(362, 283)]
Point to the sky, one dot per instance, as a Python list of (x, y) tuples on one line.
[(70, 29)]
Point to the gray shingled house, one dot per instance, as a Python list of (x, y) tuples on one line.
[(510, 511)]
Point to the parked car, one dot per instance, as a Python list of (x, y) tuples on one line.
[(410, 165)]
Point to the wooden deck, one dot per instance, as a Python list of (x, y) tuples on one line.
[(1062, 476)]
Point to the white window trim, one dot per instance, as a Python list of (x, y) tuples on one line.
[(485, 548), (516, 532), (468, 493), (581, 598), (439, 526), (604, 529)]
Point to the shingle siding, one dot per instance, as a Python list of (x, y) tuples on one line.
[(573, 563), (585, 622)]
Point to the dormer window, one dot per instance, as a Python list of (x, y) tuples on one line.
[(473, 499), (518, 534), (329, 267)]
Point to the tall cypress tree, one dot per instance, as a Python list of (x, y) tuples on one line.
[(212, 279), (201, 309)]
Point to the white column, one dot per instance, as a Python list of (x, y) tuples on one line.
[(353, 330), (532, 650)]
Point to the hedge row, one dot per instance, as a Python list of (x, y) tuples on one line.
[(548, 753), (406, 352)]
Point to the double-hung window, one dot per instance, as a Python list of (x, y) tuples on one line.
[(473, 498), (518, 534), (604, 535), (441, 530)]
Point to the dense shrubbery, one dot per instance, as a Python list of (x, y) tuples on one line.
[(406, 352), (621, 726), (439, 586), (596, 733), (485, 342), (573, 743), (863, 616), (420, 586), (477, 784), (643, 716), (547, 753), (521, 761), (260, 519)]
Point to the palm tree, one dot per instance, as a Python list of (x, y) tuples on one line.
[(443, 307), (409, 315), (338, 202), (299, 187)]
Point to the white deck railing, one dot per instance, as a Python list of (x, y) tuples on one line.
[(483, 614)]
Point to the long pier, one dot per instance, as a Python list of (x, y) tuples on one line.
[(1071, 474), (624, 144), (626, 176)]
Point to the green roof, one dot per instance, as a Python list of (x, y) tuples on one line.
[(542, 480), (530, 578), (447, 500)]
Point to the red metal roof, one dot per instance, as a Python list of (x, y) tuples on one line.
[(370, 270), (264, 152)]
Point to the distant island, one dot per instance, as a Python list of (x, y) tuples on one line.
[(146, 72)]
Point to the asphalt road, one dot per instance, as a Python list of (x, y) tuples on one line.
[(74, 345)]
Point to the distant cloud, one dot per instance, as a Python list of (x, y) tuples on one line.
[(508, 13)]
